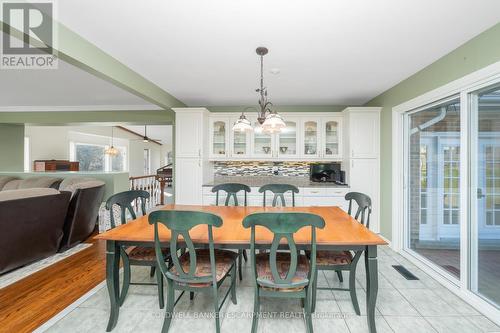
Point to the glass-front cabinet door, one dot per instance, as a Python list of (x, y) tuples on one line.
[(240, 142), (310, 130), (288, 140), (262, 144), (331, 135), (219, 130)]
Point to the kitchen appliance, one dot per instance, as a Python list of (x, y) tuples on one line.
[(327, 173)]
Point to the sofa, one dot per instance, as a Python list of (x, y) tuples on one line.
[(56, 214), (87, 195), (32, 222)]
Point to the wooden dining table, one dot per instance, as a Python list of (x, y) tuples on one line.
[(341, 232)]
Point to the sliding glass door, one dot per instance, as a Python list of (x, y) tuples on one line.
[(433, 184), (485, 202)]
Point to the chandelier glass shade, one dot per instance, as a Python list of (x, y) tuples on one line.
[(112, 151), (273, 124), (242, 124)]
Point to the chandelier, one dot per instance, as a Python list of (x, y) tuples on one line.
[(112, 151), (270, 121)]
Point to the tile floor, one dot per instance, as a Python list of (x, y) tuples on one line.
[(402, 306)]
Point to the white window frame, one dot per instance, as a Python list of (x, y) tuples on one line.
[(27, 154), (464, 87)]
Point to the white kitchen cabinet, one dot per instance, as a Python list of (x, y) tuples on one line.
[(188, 177), (192, 168), (240, 142), (364, 177), (263, 145), (218, 135), (287, 142), (307, 137), (331, 137), (189, 132), (362, 155), (310, 138), (363, 132), (307, 196)]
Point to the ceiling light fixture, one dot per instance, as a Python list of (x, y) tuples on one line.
[(112, 151), (270, 120)]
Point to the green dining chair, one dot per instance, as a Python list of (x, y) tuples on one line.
[(134, 255), (283, 274), (231, 190), (279, 191), (346, 260), (198, 269)]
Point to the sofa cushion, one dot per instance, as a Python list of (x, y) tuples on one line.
[(82, 184), (26, 193), (12, 185), (70, 181), (38, 182), (4, 180)]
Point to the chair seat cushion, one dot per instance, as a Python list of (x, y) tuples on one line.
[(331, 258), (144, 253), (223, 262), (283, 264)]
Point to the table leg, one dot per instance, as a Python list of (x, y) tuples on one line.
[(371, 285), (113, 281)]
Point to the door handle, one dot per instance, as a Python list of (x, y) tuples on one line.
[(480, 194)]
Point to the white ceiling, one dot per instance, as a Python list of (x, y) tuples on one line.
[(65, 88), (155, 132), (329, 52)]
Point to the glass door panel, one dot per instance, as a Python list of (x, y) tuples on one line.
[(311, 138), (288, 140), (262, 143), (485, 263), (433, 178), (219, 138), (331, 132), (240, 146)]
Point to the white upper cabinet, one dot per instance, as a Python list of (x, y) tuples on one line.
[(189, 130), (362, 133), (313, 136), (263, 145), (310, 138), (288, 140), (240, 142), (331, 137), (219, 128)]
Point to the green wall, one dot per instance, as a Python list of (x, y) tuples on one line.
[(479, 52), (11, 147)]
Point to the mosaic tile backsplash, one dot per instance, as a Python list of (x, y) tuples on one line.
[(251, 168)]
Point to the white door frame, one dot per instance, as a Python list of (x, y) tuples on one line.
[(462, 87)]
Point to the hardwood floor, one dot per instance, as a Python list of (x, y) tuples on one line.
[(30, 302)]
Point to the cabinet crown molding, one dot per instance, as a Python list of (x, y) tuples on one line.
[(191, 110)]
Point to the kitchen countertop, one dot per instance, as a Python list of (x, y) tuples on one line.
[(257, 181)]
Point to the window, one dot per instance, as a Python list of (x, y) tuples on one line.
[(27, 155), (433, 192), (118, 162), (451, 184), (423, 184), (92, 157), (147, 161)]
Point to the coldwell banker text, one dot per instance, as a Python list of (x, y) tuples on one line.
[(29, 35)]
